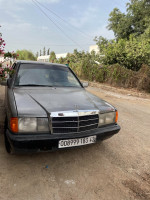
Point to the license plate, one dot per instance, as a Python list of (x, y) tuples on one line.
[(76, 142)]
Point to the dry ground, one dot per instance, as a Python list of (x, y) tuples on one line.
[(116, 169)]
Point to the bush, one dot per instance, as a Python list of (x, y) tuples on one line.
[(86, 67), (130, 53), (25, 55), (5, 72)]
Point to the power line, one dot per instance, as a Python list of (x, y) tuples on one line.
[(63, 19), (56, 24), (50, 44)]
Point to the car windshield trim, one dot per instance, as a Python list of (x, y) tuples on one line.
[(36, 85), (45, 76), (56, 86)]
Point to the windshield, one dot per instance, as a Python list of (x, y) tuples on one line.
[(45, 75)]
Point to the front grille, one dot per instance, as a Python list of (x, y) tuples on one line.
[(74, 124), (87, 128)]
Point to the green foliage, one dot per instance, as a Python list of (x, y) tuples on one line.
[(48, 51), (130, 53), (5, 72), (85, 65), (25, 55), (10, 55), (131, 48), (44, 51), (135, 21), (139, 13), (120, 24), (52, 56)]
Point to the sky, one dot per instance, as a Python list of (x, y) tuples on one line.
[(61, 25)]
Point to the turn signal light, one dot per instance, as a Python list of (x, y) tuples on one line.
[(116, 116), (14, 124)]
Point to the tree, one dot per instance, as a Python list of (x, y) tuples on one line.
[(102, 43), (120, 24), (48, 51), (139, 12), (52, 56), (44, 51), (40, 52), (136, 20), (25, 55), (37, 54), (131, 48), (5, 70), (131, 53)]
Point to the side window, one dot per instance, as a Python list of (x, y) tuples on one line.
[(72, 79)]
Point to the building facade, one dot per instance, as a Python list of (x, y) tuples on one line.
[(94, 48), (46, 58)]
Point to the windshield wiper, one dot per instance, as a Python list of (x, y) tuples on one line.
[(35, 85)]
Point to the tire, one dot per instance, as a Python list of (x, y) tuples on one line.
[(7, 144)]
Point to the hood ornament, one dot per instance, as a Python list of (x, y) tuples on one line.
[(76, 107)]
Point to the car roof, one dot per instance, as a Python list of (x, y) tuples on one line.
[(38, 63)]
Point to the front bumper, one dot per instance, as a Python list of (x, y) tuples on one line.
[(48, 142)]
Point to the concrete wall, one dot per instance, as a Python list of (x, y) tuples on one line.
[(46, 58), (43, 58)]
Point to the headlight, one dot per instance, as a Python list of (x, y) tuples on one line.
[(107, 118), (33, 125), (27, 124)]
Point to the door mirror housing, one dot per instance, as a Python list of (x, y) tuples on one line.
[(6, 82), (85, 84)]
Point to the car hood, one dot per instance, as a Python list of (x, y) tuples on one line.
[(40, 101)]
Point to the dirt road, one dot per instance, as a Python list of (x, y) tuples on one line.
[(116, 169)]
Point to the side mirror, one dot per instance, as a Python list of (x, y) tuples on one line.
[(6, 82), (85, 84)]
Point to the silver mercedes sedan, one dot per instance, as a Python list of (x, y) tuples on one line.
[(48, 108)]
